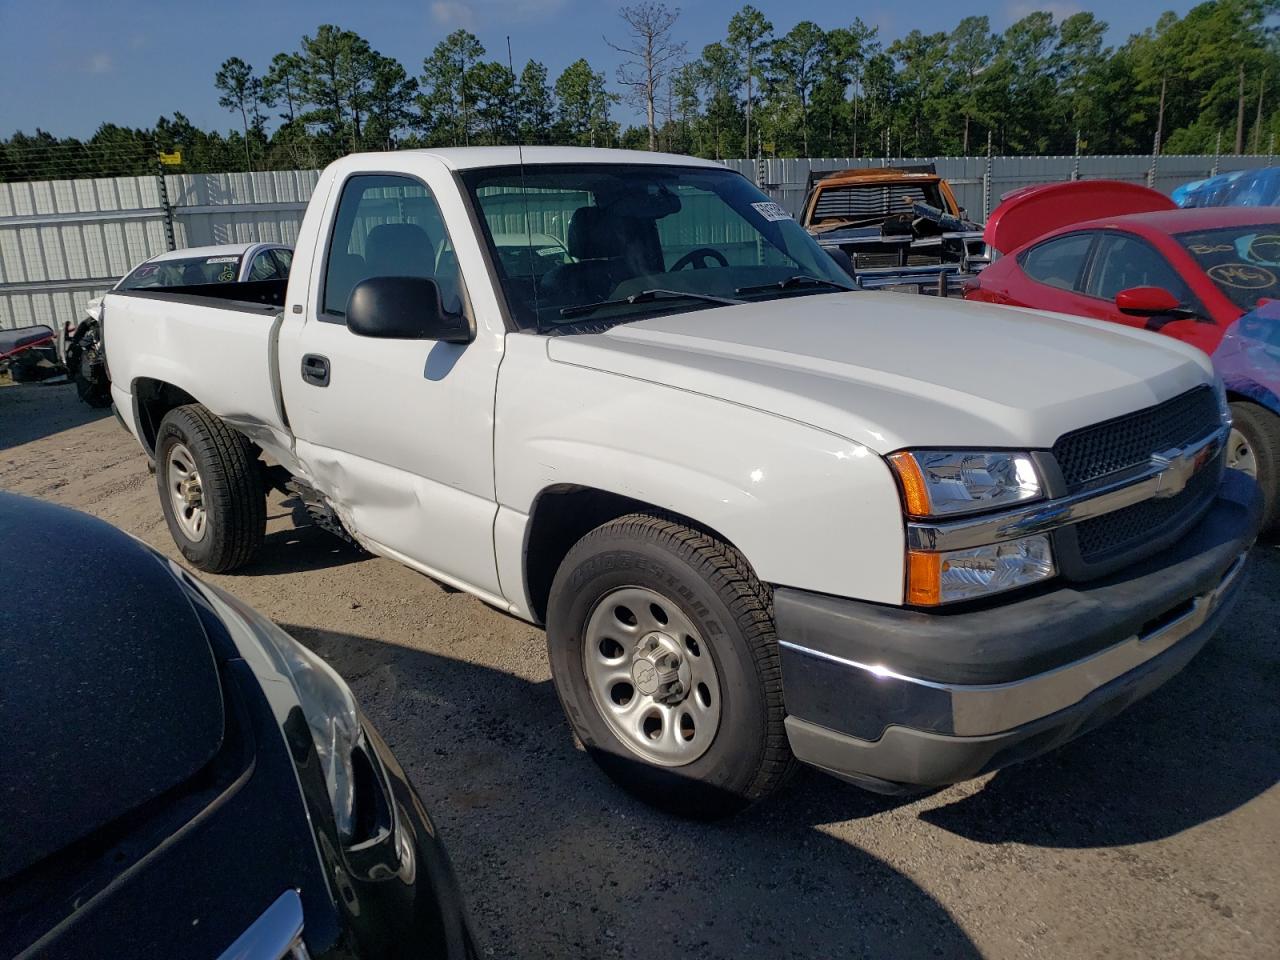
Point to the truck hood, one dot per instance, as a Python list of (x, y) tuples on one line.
[(891, 370)]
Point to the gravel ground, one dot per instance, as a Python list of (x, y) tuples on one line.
[(1158, 835)]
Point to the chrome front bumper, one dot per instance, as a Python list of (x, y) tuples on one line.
[(891, 696), (972, 710)]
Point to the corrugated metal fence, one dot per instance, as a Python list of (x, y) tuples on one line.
[(63, 242)]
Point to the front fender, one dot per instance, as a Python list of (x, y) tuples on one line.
[(807, 508)]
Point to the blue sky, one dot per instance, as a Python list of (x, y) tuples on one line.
[(67, 65)]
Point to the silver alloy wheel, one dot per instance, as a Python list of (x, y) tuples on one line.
[(651, 676), (1240, 455), (186, 492)]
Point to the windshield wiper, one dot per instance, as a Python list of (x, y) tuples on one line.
[(644, 296), (799, 280)]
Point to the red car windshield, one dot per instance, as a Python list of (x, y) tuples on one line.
[(1243, 261)]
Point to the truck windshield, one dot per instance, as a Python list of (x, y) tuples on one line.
[(1244, 262), (608, 243), (184, 272)]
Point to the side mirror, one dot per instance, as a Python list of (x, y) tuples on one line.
[(403, 308), (1148, 302), (843, 261)]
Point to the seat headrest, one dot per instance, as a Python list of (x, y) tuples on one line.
[(399, 250)]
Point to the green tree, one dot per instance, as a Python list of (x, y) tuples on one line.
[(584, 104), (390, 101), (283, 84), (796, 61), (749, 36), (240, 90), (497, 113), (447, 101), (535, 105)]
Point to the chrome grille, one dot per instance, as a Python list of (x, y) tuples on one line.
[(1094, 452), (1101, 538)]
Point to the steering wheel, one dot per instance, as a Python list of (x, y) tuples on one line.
[(698, 259)]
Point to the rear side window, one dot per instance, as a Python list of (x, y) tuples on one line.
[(387, 226), (1057, 262)]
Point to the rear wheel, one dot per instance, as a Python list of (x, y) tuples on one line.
[(663, 652), (210, 489), (1254, 448)]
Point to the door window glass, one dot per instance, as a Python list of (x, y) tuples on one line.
[(264, 267), (1124, 261), (387, 226), (1058, 262)]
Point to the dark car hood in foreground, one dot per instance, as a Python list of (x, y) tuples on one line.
[(109, 693)]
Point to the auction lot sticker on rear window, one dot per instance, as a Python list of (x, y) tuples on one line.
[(222, 260), (771, 211)]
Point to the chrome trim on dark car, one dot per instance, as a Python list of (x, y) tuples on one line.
[(275, 935), (1164, 475)]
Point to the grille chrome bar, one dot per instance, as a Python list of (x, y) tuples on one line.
[(275, 935), (1164, 475)]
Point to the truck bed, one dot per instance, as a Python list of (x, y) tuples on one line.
[(218, 348)]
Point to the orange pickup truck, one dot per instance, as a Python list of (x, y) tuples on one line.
[(894, 222)]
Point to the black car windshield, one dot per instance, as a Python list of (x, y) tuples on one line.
[(183, 272), (1244, 262), (608, 243)]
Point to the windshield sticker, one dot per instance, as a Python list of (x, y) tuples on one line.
[(223, 260), (771, 211), (1244, 276), (145, 271)]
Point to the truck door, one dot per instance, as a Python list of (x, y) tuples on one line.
[(398, 434)]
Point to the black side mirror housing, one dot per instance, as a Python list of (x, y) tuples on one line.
[(404, 308), (843, 261)]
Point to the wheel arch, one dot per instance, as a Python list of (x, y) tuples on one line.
[(563, 514), (152, 399)]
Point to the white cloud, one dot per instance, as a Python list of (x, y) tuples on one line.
[(469, 14), (1061, 9), (99, 63), (449, 13)]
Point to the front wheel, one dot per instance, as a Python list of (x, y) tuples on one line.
[(1254, 448), (87, 370), (210, 489), (663, 652)]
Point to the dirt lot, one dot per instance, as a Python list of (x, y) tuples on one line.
[(1158, 835)]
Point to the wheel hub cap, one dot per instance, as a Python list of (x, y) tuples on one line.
[(186, 492), (659, 669), (651, 676)]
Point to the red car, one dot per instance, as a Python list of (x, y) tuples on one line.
[(1207, 276)]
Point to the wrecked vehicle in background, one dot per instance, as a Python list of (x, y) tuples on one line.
[(898, 225), (28, 354), (80, 346)]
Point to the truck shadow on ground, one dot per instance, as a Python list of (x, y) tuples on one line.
[(557, 861), (298, 546), (32, 411)]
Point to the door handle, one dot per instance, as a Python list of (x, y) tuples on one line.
[(315, 369)]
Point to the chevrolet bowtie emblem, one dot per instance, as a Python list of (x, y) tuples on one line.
[(1179, 465)]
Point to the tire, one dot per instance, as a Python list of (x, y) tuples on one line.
[(87, 371), (1259, 431), (228, 489), (704, 587)]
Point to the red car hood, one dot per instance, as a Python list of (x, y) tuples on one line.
[(1032, 212)]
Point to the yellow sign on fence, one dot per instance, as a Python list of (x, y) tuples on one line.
[(171, 159)]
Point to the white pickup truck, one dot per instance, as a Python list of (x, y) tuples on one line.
[(764, 517)]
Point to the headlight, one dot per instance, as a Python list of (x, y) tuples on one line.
[(326, 702), (934, 578), (938, 483)]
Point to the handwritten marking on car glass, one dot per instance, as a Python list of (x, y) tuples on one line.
[(771, 211), (1243, 275), (1264, 248)]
